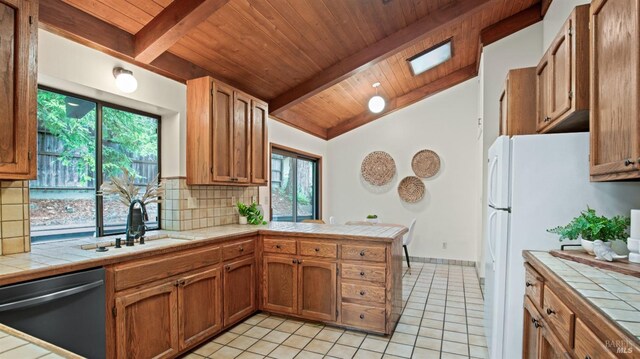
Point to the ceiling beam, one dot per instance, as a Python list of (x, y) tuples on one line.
[(407, 99), (545, 7), (175, 21), (510, 25), (303, 124), (375, 53)]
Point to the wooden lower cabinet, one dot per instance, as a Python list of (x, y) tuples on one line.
[(550, 347), (199, 306), (280, 284), (147, 322), (239, 290), (317, 290), (531, 331)]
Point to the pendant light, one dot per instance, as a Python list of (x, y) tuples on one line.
[(125, 81), (376, 103)]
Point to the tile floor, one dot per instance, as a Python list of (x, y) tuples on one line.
[(442, 318)]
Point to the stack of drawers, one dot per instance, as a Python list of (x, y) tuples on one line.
[(363, 289)]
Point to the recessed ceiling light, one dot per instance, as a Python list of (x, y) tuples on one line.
[(430, 58)]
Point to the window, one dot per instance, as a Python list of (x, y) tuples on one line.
[(430, 58), (293, 172), (82, 143)]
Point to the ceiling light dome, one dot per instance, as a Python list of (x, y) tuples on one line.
[(125, 81), (376, 103)]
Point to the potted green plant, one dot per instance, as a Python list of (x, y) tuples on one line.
[(372, 218), (250, 214), (588, 226)]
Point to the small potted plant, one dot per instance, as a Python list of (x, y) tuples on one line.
[(372, 218), (588, 226), (250, 214)]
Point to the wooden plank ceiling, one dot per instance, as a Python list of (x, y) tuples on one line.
[(314, 60)]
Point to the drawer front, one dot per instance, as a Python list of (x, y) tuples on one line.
[(276, 245), (588, 345), (363, 292), (533, 285), (559, 316), (364, 317), (318, 249), (136, 273), (238, 249), (364, 253), (363, 272)]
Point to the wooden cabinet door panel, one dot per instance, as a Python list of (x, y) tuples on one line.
[(614, 86), (259, 140), (531, 332), (223, 120), (280, 280), (241, 137), (543, 81), (317, 290), (147, 323), (200, 306), (18, 47), (588, 345), (550, 346), (560, 58), (239, 290), (504, 123)]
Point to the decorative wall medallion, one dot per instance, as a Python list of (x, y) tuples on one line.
[(411, 189), (378, 168), (425, 163)]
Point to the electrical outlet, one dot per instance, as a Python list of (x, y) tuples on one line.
[(253, 199), (192, 203), (444, 245)]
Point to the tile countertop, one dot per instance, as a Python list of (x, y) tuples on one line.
[(57, 257), (15, 344), (616, 295)]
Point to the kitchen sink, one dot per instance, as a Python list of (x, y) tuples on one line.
[(151, 241)]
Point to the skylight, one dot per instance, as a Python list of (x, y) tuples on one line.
[(430, 58)]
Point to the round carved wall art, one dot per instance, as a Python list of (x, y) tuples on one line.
[(378, 168), (425, 163), (411, 189)]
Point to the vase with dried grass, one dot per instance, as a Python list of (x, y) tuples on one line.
[(125, 188)]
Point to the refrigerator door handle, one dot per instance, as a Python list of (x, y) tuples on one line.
[(492, 169), (492, 216)]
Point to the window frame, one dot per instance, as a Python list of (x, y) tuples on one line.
[(99, 203), (297, 154)]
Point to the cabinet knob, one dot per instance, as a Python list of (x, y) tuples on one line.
[(536, 324), (528, 284), (587, 357), (299, 261), (361, 316), (628, 162), (278, 246), (362, 253), (362, 292), (362, 274), (550, 311), (241, 249), (228, 268), (182, 283), (547, 119), (294, 261), (317, 249)]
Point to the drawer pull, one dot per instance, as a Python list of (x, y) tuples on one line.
[(241, 249), (550, 311), (278, 246), (536, 324), (182, 283), (587, 357), (294, 261), (228, 268), (362, 253), (317, 249), (529, 284), (628, 162), (362, 274), (362, 292), (361, 316)]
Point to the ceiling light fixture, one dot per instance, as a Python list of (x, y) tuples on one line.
[(376, 103), (430, 58), (125, 80)]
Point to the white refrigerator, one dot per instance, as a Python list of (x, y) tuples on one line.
[(534, 183)]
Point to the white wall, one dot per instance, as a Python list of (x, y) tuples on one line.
[(69, 66), (445, 123)]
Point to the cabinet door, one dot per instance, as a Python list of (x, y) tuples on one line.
[(280, 280), (614, 88), (550, 346), (560, 58), (18, 47), (259, 139), (239, 290), (531, 332), (543, 80), (147, 323), (504, 124), (317, 290), (241, 137), (200, 306), (222, 170)]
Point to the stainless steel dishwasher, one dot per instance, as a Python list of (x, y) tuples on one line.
[(66, 310)]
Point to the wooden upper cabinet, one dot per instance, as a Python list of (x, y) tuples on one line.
[(18, 123), (200, 306), (518, 103), (563, 78), (317, 290), (615, 90), (226, 135), (147, 323), (259, 141), (239, 290)]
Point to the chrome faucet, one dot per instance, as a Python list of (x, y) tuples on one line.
[(135, 233)]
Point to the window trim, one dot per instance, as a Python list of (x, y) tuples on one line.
[(99, 224), (299, 154)]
